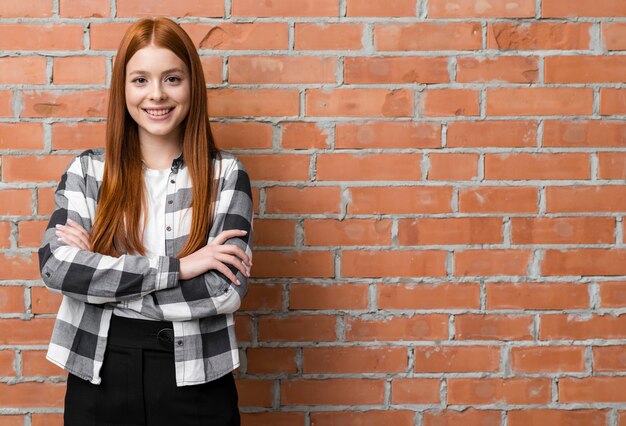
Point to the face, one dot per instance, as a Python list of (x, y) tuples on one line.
[(157, 93)]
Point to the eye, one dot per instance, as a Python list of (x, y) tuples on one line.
[(173, 79), (139, 78)]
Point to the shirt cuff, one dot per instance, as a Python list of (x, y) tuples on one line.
[(167, 272)]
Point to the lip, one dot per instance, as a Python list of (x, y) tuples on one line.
[(160, 117)]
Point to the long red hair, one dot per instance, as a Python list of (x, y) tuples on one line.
[(122, 202)]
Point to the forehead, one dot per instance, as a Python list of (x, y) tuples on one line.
[(154, 59)]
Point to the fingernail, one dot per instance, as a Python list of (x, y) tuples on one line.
[(238, 282), (70, 220), (245, 232), (57, 226)]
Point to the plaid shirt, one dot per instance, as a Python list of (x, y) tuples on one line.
[(201, 309)]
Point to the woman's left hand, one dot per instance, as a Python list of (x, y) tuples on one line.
[(73, 235)]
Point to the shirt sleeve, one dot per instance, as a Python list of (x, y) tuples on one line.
[(211, 293), (85, 275)]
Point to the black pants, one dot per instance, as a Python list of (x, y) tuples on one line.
[(138, 385)]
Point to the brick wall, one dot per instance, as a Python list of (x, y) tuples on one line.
[(439, 192)]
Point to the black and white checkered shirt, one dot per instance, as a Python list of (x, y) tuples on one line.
[(92, 284)]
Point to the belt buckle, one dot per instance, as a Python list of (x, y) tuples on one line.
[(165, 336)]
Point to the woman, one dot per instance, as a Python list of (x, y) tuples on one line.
[(150, 244)]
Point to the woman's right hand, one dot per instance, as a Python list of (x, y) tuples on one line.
[(215, 255)]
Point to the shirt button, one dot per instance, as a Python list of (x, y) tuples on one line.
[(169, 228), (170, 202), (179, 342), (172, 181)]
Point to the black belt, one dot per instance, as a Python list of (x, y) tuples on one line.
[(138, 333)]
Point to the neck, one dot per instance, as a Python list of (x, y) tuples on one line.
[(158, 153)]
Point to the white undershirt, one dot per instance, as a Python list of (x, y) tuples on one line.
[(154, 235)]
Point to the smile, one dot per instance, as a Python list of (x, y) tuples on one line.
[(159, 113)]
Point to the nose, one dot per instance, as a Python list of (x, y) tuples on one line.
[(156, 91)]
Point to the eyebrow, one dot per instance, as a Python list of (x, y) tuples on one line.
[(164, 72)]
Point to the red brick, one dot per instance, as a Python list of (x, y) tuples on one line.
[(207, 8), (612, 165), (523, 296), (498, 199), (32, 394), (399, 263), (539, 101), (467, 417), (79, 70), (480, 9), (78, 136), (613, 294), (609, 358), (309, 200), (281, 69), (15, 202), (542, 359), (537, 416), (253, 102), (352, 360), (297, 328), (511, 69), (34, 169), (12, 299), (525, 166), (279, 264), (585, 69), (107, 36), (584, 262), (5, 234), (6, 103), (592, 389), (19, 267), (580, 327), (332, 391), (461, 359), (31, 9), (341, 36), (428, 296), (36, 331), (578, 8), (30, 232), (493, 327), (416, 327), (296, 135), (271, 360), (243, 328), (359, 103), (12, 420), (457, 230), (7, 363), (428, 36), (401, 69), (272, 419), (22, 36), (538, 36), (400, 200), (491, 134), (387, 134), (212, 69), (44, 301), (453, 166), (415, 391), (274, 232), (84, 8), (614, 35), (347, 232), (242, 135), (560, 199), (493, 390), (376, 8), (255, 393), (359, 167), (449, 102), (239, 35), (277, 167), (322, 297), (613, 102), (263, 297), (22, 69), (282, 8), (584, 133), (34, 363), (64, 103), (562, 230), (363, 418)]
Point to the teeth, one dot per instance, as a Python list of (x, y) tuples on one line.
[(158, 112)]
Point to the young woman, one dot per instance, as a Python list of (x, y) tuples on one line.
[(150, 244)]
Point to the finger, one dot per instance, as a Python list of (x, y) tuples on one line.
[(224, 270), (225, 258), (78, 227), (236, 250), (71, 240), (228, 234), (68, 230)]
